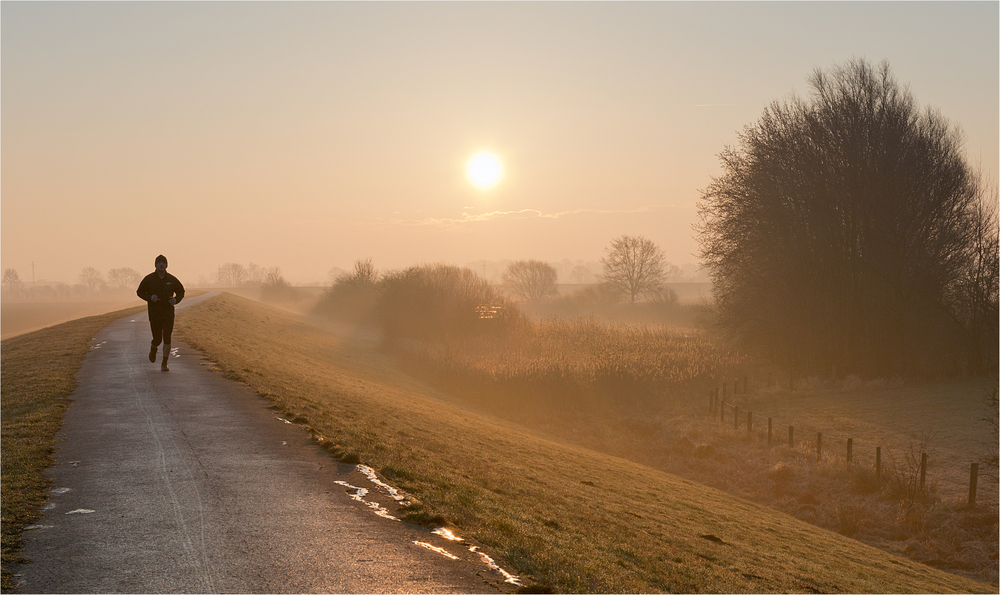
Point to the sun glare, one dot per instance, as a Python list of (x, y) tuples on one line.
[(484, 170)]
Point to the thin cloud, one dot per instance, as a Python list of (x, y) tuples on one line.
[(467, 218)]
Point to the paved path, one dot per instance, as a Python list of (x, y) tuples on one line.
[(183, 481)]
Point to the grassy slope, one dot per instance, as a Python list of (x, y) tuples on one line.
[(564, 517), (39, 374)]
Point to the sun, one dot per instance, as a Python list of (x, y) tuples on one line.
[(484, 170)]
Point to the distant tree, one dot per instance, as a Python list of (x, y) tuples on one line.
[(671, 273), (353, 295), (842, 229), (581, 274), (92, 279), (232, 274), (124, 278), (255, 274), (274, 287), (635, 265), (440, 302), (364, 274), (11, 282), (334, 272), (530, 280)]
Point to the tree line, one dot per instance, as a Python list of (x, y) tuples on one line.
[(126, 279)]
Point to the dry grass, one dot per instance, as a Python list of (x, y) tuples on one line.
[(581, 365), (564, 517), (942, 418), (39, 374)]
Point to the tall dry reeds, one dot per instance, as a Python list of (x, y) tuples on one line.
[(580, 363)]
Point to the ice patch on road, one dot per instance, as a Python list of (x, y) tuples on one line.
[(447, 534), (508, 577), (60, 490), (81, 511), (490, 563), (359, 494), (370, 473), (437, 549)]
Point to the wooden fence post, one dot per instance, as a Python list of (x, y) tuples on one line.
[(819, 445), (791, 436), (923, 469), (878, 467), (736, 417), (850, 445), (769, 431), (973, 480), (749, 423)]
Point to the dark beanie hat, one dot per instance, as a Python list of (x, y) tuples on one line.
[(159, 258)]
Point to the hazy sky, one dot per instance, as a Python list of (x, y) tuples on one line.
[(308, 135)]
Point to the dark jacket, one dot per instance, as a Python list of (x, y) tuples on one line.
[(164, 289)]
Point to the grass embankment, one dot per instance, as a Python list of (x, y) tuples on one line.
[(563, 517), (39, 374)]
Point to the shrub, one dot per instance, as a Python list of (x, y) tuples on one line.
[(353, 296), (441, 302)]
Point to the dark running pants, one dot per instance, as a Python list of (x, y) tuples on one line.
[(162, 328)]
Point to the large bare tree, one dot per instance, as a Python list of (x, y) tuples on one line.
[(530, 280), (124, 278), (842, 228), (635, 265), (92, 278), (232, 274)]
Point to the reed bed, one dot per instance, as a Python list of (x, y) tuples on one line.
[(583, 363)]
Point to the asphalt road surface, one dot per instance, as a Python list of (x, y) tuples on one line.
[(183, 481)]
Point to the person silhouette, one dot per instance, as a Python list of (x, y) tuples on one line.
[(162, 291)]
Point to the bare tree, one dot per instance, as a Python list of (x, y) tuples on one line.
[(274, 287), (841, 229), (364, 274), (530, 280), (581, 274), (232, 274), (11, 282), (92, 279), (635, 265), (272, 277), (124, 278), (353, 295), (255, 274)]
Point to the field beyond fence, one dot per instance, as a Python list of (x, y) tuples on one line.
[(935, 433)]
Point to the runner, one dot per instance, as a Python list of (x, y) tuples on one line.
[(163, 291)]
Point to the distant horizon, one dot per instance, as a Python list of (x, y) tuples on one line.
[(690, 273)]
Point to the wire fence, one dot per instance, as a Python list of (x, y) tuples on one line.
[(825, 446)]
